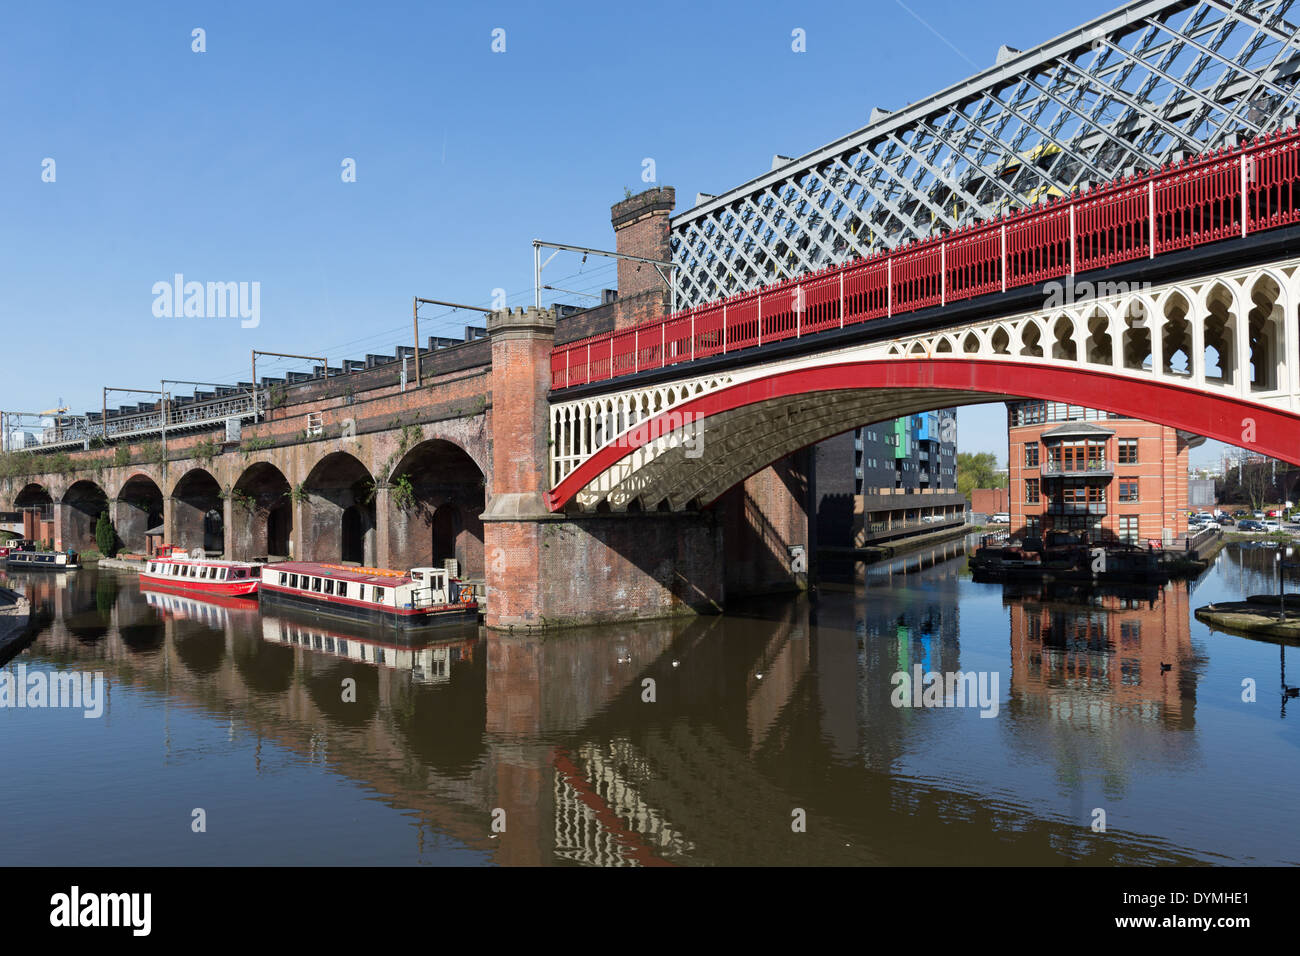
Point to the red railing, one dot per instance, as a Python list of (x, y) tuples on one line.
[(1208, 198)]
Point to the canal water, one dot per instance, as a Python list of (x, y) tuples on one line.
[(1112, 729)]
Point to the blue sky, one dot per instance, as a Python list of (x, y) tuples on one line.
[(225, 165)]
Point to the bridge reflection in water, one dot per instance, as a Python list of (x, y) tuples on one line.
[(754, 717)]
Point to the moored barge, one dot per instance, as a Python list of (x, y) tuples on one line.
[(224, 578), (419, 598), (24, 560)]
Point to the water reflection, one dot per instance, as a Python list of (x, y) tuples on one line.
[(704, 741)]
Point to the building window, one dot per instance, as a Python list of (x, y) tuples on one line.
[(1128, 490), (1031, 491), (1128, 528), (1128, 451), (1031, 455)]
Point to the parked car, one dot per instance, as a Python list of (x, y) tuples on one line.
[(1271, 525), (1259, 516), (1001, 517), (1273, 513), (1249, 524), (1241, 514), (1225, 520)]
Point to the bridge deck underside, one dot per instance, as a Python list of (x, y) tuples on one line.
[(677, 471)]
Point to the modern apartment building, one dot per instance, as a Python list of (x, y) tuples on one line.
[(888, 480), (1100, 476)]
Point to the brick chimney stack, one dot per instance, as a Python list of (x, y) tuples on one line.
[(641, 229)]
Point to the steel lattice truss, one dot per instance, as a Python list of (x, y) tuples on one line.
[(1135, 88)]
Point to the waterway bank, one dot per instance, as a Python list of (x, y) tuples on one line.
[(15, 615), (840, 559), (1260, 615), (121, 564)]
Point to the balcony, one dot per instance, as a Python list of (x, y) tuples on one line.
[(1099, 467), (1076, 507)]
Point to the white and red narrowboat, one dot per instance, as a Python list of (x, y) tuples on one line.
[(421, 597), (225, 578)]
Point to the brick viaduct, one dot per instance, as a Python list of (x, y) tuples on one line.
[(357, 468)]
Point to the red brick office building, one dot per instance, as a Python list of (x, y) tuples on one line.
[(1091, 473)]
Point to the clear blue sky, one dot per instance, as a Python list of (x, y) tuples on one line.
[(225, 165)]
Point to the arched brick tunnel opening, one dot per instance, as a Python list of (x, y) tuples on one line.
[(36, 506), (83, 503), (197, 514), (435, 500), (338, 512), (139, 509), (261, 513)]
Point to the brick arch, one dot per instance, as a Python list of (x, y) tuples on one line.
[(436, 495), (139, 508), (82, 503), (197, 511), (337, 510), (261, 512)]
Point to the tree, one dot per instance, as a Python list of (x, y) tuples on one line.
[(979, 470), (105, 535), (1257, 482)]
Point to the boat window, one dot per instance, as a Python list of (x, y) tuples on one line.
[(224, 572), (315, 584), (203, 571), (379, 595), (293, 580), (343, 589), (329, 586), (151, 567)]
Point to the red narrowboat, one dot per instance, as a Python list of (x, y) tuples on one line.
[(421, 597), (226, 578)]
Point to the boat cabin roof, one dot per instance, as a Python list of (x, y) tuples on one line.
[(383, 577)]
